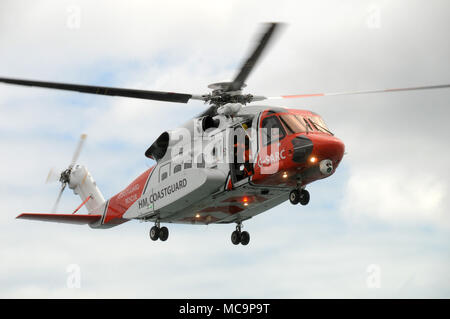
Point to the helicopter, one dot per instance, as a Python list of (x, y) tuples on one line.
[(225, 166)]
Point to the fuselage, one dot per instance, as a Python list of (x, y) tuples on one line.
[(229, 172)]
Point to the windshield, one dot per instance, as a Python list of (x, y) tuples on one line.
[(293, 124), (271, 130), (319, 124)]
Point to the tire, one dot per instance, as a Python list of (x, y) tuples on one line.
[(245, 238), (304, 197), (154, 233), (235, 237), (294, 197), (163, 233)]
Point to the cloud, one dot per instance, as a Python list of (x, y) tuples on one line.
[(199, 262), (384, 194)]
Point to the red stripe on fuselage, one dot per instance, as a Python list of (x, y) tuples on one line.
[(119, 203)]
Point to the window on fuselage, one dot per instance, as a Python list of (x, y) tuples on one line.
[(272, 130), (319, 124), (312, 124), (305, 123), (164, 171), (177, 168), (292, 123)]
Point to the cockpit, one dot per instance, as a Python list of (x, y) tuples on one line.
[(276, 126), (296, 123)]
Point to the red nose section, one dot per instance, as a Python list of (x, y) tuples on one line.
[(327, 147)]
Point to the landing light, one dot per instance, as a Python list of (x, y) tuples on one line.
[(312, 159), (197, 216), (285, 175)]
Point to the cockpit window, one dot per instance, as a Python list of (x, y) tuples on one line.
[(319, 124), (304, 122), (272, 130), (312, 123), (292, 124)]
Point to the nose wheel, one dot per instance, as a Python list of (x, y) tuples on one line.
[(157, 232), (240, 237), (299, 196)]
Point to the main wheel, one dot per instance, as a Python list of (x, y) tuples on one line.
[(245, 238), (304, 197), (163, 233), (154, 233), (235, 237), (294, 197)]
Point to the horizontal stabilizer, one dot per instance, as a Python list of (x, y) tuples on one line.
[(61, 218)]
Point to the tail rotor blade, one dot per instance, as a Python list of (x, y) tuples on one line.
[(64, 176), (58, 198), (53, 176), (77, 152)]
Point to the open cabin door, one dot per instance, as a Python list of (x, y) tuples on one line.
[(241, 164)]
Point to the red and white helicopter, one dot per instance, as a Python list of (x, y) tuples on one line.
[(226, 165)]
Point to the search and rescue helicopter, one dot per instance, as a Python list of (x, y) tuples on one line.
[(227, 165)]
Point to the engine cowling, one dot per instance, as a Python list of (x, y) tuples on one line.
[(169, 138)]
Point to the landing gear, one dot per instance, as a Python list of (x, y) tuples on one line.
[(154, 233), (157, 232), (163, 233), (245, 238), (304, 197), (235, 237), (240, 237), (299, 196), (294, 196)]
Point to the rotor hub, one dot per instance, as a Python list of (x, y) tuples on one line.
[(222, 86), (65, 176)]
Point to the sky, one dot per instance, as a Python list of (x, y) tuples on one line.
[(378, 228)]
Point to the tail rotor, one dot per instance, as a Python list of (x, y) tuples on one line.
[(64, 176)]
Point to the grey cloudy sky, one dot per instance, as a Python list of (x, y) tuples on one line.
[(387, 205)]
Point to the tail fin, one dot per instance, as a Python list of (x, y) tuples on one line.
[(82, 184)]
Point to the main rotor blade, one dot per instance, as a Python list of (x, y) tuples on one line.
[(442, 86), (58, 198), (250, 63), (103, 90), (77, 152)]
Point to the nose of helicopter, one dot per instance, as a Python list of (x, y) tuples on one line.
[(326, 147), (318, 148)]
